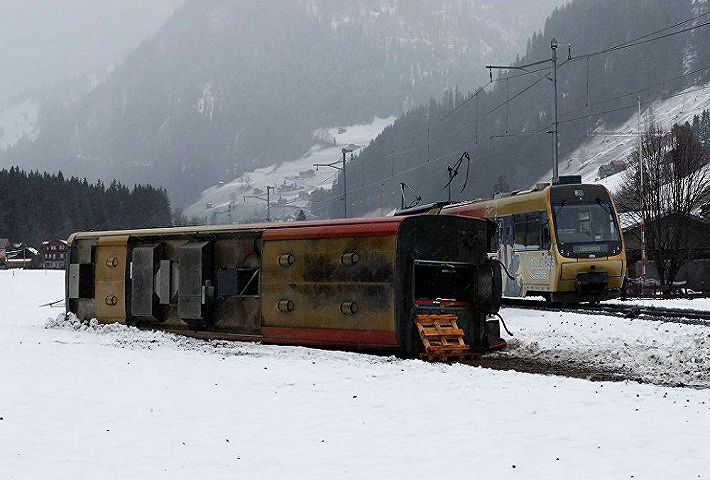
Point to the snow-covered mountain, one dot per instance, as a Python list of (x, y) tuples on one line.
[(293, 181), (229, 86), (617, 143), (504, 130)]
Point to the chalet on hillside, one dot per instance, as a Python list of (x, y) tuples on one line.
[(53, 254)]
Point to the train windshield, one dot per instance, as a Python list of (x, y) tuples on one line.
[(586, 229)]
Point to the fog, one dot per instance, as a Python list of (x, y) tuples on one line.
[(45, 42)]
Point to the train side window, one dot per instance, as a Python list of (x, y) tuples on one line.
[(519, 227), (545, 231), (532, 236)]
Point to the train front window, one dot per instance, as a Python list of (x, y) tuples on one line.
[(586, 229)]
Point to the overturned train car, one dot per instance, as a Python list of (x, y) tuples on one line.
[(349, 284)]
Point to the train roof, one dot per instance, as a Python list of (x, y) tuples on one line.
[(538, 194), (355, 227)]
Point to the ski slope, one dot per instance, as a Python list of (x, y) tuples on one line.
[(115, 403)]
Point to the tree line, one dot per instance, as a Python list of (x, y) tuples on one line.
[(38, 206)]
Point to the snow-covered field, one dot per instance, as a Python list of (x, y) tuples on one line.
[(651, 351), (291, 178), (113, 402)]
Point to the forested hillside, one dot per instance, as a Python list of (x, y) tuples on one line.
[(504, 128), (229, 85), (39, 206)]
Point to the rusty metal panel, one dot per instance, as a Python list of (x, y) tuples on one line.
[(111, 279), (333, 283), (195, 280), (330, 306), (321, 260)]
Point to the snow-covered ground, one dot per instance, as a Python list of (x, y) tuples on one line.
[(652, 351), (114, 402), (684, 303), (292, 178), (607, 144)]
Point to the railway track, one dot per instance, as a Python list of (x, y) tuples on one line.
[(670, 315)]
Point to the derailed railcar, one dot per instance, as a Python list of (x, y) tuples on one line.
[(353, 284)]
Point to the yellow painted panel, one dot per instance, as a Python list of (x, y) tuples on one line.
[(111, 279)]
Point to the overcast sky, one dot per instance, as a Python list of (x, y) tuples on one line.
[(49, 40)]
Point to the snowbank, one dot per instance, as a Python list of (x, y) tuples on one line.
[(88, 401), (665, 353)]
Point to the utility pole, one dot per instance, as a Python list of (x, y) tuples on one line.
[(555, 165), (229, 209), (334, 165), (267, 200), (642, 199), (524, 68)]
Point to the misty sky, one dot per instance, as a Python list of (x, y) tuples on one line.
[(43, 41)]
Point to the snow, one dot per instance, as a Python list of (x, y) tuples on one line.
[(291, 178), (18, 121), (702, 304), (114, 402), (652, 351), (605, 144)]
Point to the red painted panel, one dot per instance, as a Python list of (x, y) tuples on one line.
[(380, 227), (322, 337), (472, 210)]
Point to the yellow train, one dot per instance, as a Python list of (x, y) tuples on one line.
[(561, 241)]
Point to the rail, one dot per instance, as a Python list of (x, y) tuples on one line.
[(669, 315)]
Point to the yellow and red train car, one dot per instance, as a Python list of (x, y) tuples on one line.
[(353, 284)]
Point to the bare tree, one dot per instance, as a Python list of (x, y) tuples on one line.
[(676, 180)]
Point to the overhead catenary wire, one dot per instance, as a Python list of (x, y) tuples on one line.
[(634, 105), (637, 42), (641, 40), (638, 90), (629, 43)]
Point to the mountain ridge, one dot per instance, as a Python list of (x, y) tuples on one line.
[(227, 86)]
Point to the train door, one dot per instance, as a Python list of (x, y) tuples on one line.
[(110, 280), (508, 256)]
